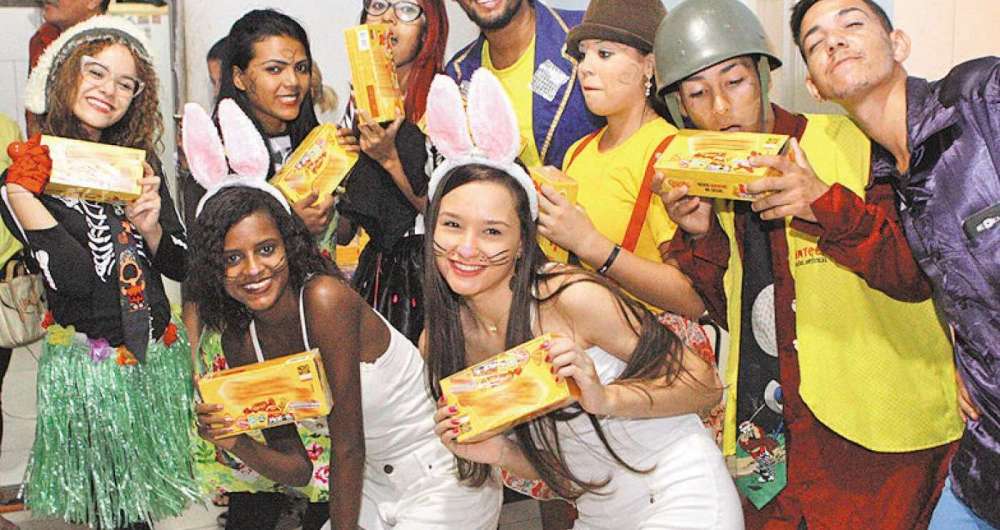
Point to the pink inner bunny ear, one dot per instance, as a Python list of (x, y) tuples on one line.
[(447, 124), (202, 147), (248, 155), (492, 118)]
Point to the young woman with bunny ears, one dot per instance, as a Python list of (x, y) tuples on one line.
[(262, 283), (114, 379), (633, 453), (267, 71)]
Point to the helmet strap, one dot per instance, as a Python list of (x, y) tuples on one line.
[(673, 101), (764, 75)]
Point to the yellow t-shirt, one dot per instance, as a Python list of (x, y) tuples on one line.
[(9, 132), (516, 80), (609, 187)]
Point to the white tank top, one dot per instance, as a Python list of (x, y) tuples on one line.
[(638, 441), (396, 404)]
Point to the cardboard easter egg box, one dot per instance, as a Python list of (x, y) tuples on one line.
[(716, 164), (568, 187), (506, 390), (272, 393), (94, 171), (319, 164), (373, 74)]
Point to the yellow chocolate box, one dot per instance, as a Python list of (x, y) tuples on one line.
[(319, 164), (272, 393), (564, 184), (373, 74), (716, 164), (94, 171), (506, 390)]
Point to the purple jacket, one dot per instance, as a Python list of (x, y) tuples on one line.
[(563, 118), (950, 207)]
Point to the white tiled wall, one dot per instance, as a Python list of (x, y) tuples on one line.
[(18, 24)]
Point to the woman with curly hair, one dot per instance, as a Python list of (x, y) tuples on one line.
[(114, 379), (263, 284), (267, 71), (386, 189)]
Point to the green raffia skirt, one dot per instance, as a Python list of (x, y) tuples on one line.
[(112, 444)]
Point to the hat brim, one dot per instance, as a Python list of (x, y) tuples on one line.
[(590, 30)]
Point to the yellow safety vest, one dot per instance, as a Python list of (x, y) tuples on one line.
[(875, 370), (9, 132)]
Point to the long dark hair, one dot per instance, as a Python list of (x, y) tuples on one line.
[(250, 29), (206, 269), (429, 60), (656, 356)]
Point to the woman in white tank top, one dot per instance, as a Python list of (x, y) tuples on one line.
[(633, 453), (261, 281)]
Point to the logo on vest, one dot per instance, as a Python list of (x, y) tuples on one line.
[(810, 256)]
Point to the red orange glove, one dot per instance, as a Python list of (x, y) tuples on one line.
[(30, 165)]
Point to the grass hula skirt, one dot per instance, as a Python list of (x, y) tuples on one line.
[(112, 444)]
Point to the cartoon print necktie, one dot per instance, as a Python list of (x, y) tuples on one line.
[(760, 448)]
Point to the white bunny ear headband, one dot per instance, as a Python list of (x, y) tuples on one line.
[(248, 156), (487, 134)]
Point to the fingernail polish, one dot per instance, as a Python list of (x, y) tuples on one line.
[(452, 409)]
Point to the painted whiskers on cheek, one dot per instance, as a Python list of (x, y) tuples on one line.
[(266, 272), (502, 257)]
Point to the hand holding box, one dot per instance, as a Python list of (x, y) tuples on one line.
[(506, 390), (565, 185), (717, 164), (319, 164), (272, 393), (94, 171)]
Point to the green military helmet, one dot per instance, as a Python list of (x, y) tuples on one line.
[(698, 34)]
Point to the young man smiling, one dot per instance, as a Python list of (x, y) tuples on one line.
[(939, 145), (521, 41), (830, 326)]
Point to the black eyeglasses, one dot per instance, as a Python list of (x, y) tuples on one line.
[(405, 11)]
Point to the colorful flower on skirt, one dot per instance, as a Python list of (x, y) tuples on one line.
[(125, 357), (61, 336), (219, 363), (100, 350), (48, 320), (314, 451), (322, 474), (170, 335)]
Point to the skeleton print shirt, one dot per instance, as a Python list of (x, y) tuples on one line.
[(77, 259)]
